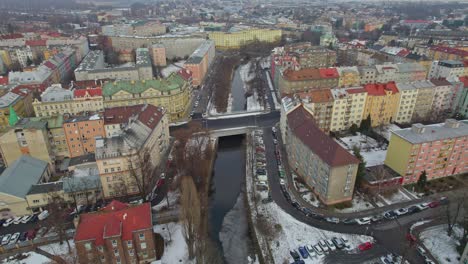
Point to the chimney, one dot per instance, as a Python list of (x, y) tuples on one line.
[(418, 128), (451, 123)]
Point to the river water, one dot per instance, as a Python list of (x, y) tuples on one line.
[(227, 213)]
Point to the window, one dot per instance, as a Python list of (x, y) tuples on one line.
[(100, 248), (131, 252), (129, 244), (116, 252), (143, 245), (87, 246), (114, 243), (142, 236)]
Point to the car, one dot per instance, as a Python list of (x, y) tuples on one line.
[(160, 182), (6, 239), (401, 211), (304, 253), (390, 215), (331, 245), (421, 251), (323, 245), (31, 234), (338, 243), (318, 249), (300, 261), (413, 209), (273, 129), (294, 254), (8, 222), (349, 221), (443, 200), (275, 141), (23, 236), (295, 204), (26, 219), (410, 237), (346, 242), (43, 215), (376, 218), (261, 171), (311, 251), (424, 205), (2, 221), (282, 182), (434, 204), (365, 246), (14, 238), (17, 220), (428, 261), (332, 220), (41, 232), (385, 260), (287, 196), (363, 221)]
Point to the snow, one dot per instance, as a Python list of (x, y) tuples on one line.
[(235, 115), (171, 68), (419, 223), (311, 199), (387, 130), (396, 197), (95, 117), (441, 246), (175, 251), (253, 104), (246, 74), (54, 249), (173, 198), (272, 90), (372, 153), (359, 204)]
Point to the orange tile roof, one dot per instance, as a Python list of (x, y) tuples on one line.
[(317, 96), (302, 74), (378, 89)]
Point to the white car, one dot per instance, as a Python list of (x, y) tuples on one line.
[(363, 221), (331, 245), (8, 222), (346, 242), (311, 251), (17, 220), (14, 238), (423, 206), (421, 251), (332, 220), (318, 249), (282, 182), (6, 239), (401, 211), (323, 245), (26, 219), (43, 215)]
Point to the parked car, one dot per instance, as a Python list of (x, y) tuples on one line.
[(428, 261), (376, 218), (422, 206), (294, 254), (6, 239), (31, 234), (17, 220), (332, 220), (443, 200), (363, 221), (410, 237), (23, 236), (303, 252), (296, 204), (365, 246), (8, 222), (318, 249), (43, 215), (26, 219), (401, 211), (311, 251), (390, 215), (349, 221), (338, 243), (413, 209), (434, 204), (331, 245), (323, 245), (282, 182), (421, 251), (14, 238), (346, 242), (385, 260)]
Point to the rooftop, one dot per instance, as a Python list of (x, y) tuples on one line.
[(317, 96), (27, 123), (55, 93), (328, 73), (455, 51), (90, 61), (91, 92), (46, 187), (9, 99), (200, 52), (142, 57), (18, 178), (302, 124), (81, 183), (381, 89), (433, 132), (116, 219), (302, 74), (120, 114)]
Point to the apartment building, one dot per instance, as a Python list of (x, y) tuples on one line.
[(116, 118), (329, 77), (462, 101), (235, 40), (348, 107), (18, 101), (423, 105), (140, 29), (326, 167), (26, 137), (447, 69), (56, 100), (291, 81), (443, 101), (199, 62), (119, 157), (119, 233), (407, 102), (172, 93), (81, 133), (381, 103), (367, 74), (447, 53), (439, 150), (386, 73), (349, 76), (410, 72), (57, 139), (158, 54), (320, 104)]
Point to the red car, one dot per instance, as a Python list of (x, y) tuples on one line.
[(159, 183), (365, 246), (434, 204), (410, 237)]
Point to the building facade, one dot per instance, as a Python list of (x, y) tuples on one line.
[(381, 103), (19, 101), (407, 102), (235, 40), (199, 62), (348, 107), (81, 133)]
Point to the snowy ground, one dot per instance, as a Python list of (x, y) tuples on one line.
[(299, 186), (372, 153), (247, 74), (387, 130), (311, 199), (175, 67), (173, 198), (359, 204), (396, 197), (441, 246), (54, 249), (175, 249)]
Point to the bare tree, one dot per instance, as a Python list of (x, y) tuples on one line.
[(190, 213), (141, 172), (207, 251), (57, 217), (452, 217)]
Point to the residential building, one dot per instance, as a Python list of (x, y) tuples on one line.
[(158, 54), (326, 167), (349, 76), (119, 233), (320, 104), (306, 55), (443, 98), (447, 69), (116, 118), (235, 40), (291, 81), (57, 139), (119, 158), (140, 29), (81, 133), (329, 77), (15, 182), (40, 195), (19, 101), (407, 102), (381, 103), (26, 137), (410, 72), (348, 107), (462, 102), (423, 105), (199, 62), (447, 53), (439, 150), (172, 93), (367, 74), (386, 73)]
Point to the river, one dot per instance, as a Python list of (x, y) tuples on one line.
[(228, 224)]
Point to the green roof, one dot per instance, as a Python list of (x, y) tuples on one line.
[(52, 122), (173, 82)]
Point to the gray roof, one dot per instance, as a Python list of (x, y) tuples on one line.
[(433, 133), (8, 99), (200, 52), (79, 184), (56, 93), (18, 178), (90, 60), (46, 187), (410, 67), (142, 57)]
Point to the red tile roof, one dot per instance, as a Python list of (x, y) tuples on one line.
[(317, 96), (379, 89), (149, 115), (403, 53), (302, 124), (356, 90), (185, 74), (36, 42), (12, 36), (90, 91), (302, 74), (464, 80), (449, 50), (327, 73), (116, 219)]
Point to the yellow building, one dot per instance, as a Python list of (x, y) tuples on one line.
[(234, 40), (349, 76), (407, 102), (57, 138), (348, 107), (172, 93), (20, 102), (381, 103)]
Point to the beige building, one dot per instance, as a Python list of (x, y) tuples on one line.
[(235, 40), (407, 103), (348, 107), (424, 99), (158, 54), (320, 104), (27, 137), (57, 138), (119, 158), (172, 93), (349, 76)]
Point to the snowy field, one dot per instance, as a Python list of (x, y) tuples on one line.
[(441, 246), (372, 153), (386, 130), (397, 197), (172, 197), (311, 199), (247, 74), (175, 67), (54, 249), (176, 250), (359, 204)]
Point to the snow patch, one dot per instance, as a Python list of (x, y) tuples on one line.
[(175, 249), (172, 68), (441, 246), (172, 197), (359, 204), (54, 249), (372, 152), (396, 197)]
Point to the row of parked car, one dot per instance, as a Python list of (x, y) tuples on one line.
[(321, 248), (392, 259), (32, 218), (423, 254), (260, 162)]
